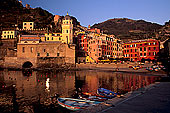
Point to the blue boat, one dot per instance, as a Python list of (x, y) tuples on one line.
[(107, 93), (75, 104)]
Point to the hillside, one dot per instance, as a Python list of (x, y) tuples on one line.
[(128, 29), (13, 12)]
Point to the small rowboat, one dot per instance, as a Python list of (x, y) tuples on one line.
[(107, 93), (92, 97), (75, 104)]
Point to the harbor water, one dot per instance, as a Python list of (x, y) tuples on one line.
[(37, 91)]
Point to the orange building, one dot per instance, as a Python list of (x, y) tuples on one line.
[(141, 49)]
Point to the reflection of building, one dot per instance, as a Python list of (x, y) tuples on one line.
[(138, 49), (24, 84)]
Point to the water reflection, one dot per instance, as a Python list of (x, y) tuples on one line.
[(38, 86)]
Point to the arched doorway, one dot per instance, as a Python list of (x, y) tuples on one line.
[(27, 65)]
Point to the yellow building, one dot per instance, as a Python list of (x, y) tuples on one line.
[(67, 29), (28, 25), (10, 34), (52, 37)]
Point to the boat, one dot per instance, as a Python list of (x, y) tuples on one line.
[(92, 97), (75, 104), (107, 93)]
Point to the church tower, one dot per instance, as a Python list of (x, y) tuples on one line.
[(67, 29)]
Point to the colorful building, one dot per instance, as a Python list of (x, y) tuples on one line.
[(94, 30), (28, 25), (67, 30), (9, 34), (141, 49)]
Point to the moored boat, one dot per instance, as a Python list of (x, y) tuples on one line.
[(75, 104), (107, 93), (93, 97)]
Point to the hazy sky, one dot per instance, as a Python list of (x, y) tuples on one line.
[(89, 12)]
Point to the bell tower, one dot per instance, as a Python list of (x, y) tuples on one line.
[(67, 29)]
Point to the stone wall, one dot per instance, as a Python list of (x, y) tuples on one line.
[(5, 44), (50, 62), (17, 62)]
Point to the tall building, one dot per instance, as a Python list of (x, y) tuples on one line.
[(67, 29)]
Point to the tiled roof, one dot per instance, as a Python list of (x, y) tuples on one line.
[(50, 42), (30, 39)]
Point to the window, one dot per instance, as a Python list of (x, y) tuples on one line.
[(58, 54), (131, 50), (51, 38), (149, 53), (154, 43), (30, 27), (144, 48), (47, 54), (38, 54), (134, 45), (154, 53), (154, 48), (4, 32), (59, 38), (66, 31), (24, 27), (135, 50), (47, 38), (25, 23), (149, 48), (31, 49), (149, 43), (144, 54), (30, 23), (140, 49), (23, 49), (44, 50)]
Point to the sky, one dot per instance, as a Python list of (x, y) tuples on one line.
[(90, 12)]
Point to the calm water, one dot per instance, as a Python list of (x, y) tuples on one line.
[(33, 89)]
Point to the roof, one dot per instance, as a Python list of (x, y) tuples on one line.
[(30, 39), (29, 36), (51, 42), (67, 17)]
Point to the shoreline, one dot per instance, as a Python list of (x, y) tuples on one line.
[(112, 105)]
